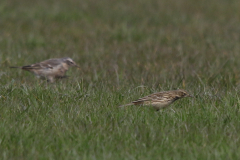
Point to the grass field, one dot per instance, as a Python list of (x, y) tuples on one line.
[(126, 50)]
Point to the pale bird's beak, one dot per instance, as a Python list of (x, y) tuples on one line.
[(77, 66), (190, 96)]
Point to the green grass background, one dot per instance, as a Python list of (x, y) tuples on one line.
[(126, 49)]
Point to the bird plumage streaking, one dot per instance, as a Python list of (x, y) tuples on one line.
[(50, 69), (160, 99)]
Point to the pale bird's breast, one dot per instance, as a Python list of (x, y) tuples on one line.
[(60, 70), (64, 66)]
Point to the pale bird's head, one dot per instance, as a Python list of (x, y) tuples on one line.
[(70, 62), (182, 93)]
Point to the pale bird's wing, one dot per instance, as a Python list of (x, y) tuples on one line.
[(47, 64)]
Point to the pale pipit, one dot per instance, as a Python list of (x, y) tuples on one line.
[(50, 69), (161, 99)]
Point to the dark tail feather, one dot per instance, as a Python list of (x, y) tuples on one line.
[(15, 67), (129, 104)]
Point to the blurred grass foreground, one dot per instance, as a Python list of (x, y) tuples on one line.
[(126, 50)]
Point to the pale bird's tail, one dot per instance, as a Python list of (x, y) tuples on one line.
[(129, 104), (15, 67)]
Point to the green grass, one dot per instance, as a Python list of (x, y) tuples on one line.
[(126, 50)]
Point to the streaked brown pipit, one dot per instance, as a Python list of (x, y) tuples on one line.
[(160, 99), (50, 69)]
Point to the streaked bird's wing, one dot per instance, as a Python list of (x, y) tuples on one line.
[(148, 99)]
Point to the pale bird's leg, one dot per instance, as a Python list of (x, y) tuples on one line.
[(39, 81), (50, 79), (46, 83)]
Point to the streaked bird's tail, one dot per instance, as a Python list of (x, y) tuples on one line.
[(129, 104)]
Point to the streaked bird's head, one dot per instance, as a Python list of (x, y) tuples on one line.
[(70, 62), (182, 93)]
